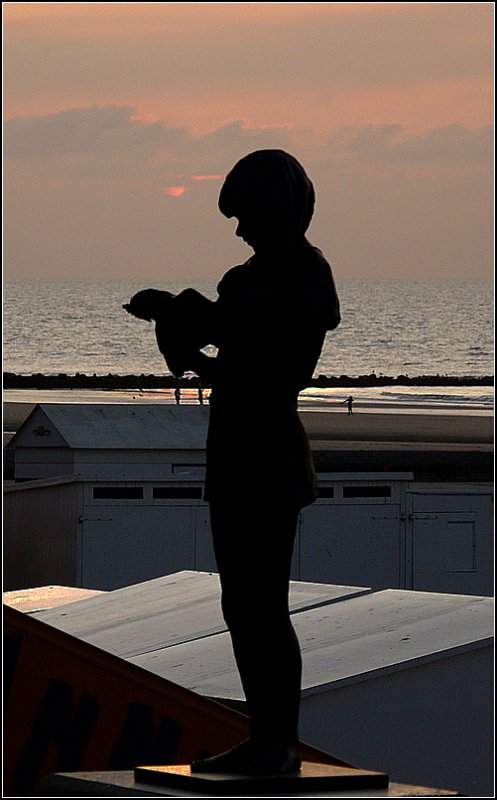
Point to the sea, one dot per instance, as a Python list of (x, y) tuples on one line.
[(388, 328)]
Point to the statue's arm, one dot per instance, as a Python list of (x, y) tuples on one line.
[(184, 324), (204, 366)]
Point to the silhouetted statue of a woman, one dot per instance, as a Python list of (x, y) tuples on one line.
[(269, 324)]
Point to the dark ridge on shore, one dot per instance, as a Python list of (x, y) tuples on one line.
[(81, 381)]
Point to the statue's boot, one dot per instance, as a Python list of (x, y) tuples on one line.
[(252, 758), (229, 762), (278, 759)]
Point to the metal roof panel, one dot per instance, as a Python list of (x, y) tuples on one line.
[(166, 611), (349, 641)]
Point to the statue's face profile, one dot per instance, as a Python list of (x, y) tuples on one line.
[(254, 233), (247, 232)]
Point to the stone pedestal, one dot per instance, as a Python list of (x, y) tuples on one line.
[(313, 777)]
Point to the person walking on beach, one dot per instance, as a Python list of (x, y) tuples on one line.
[(177, 394), (269, 322), (348, 402)]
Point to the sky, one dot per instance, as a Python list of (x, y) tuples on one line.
[(122, 119)]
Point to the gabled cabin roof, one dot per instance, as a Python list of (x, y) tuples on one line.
[(114, 426)]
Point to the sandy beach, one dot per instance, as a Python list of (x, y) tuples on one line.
[(326, 427), (388, 427)]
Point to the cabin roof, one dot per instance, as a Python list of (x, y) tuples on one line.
[(353, 640), (172, 627), (114, 426), (166, 611)]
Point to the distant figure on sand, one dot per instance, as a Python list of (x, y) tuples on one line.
[(348, 402), (177, 395), (274, 309), (200, 394)]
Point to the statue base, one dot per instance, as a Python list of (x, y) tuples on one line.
[(312, 777)]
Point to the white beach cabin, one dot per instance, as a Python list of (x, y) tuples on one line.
[(112, 494), (108, 494), (111, 442)]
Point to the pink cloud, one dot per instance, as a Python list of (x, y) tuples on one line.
[(207, 177), (174, 191)]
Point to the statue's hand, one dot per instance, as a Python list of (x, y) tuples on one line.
[(147, 304)]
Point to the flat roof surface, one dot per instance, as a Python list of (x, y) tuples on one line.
[(172, 626), (147, 617), (352, 640)]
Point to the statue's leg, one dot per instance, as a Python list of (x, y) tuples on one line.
[(254, 552)]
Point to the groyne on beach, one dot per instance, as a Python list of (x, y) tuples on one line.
[(81, 381)]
